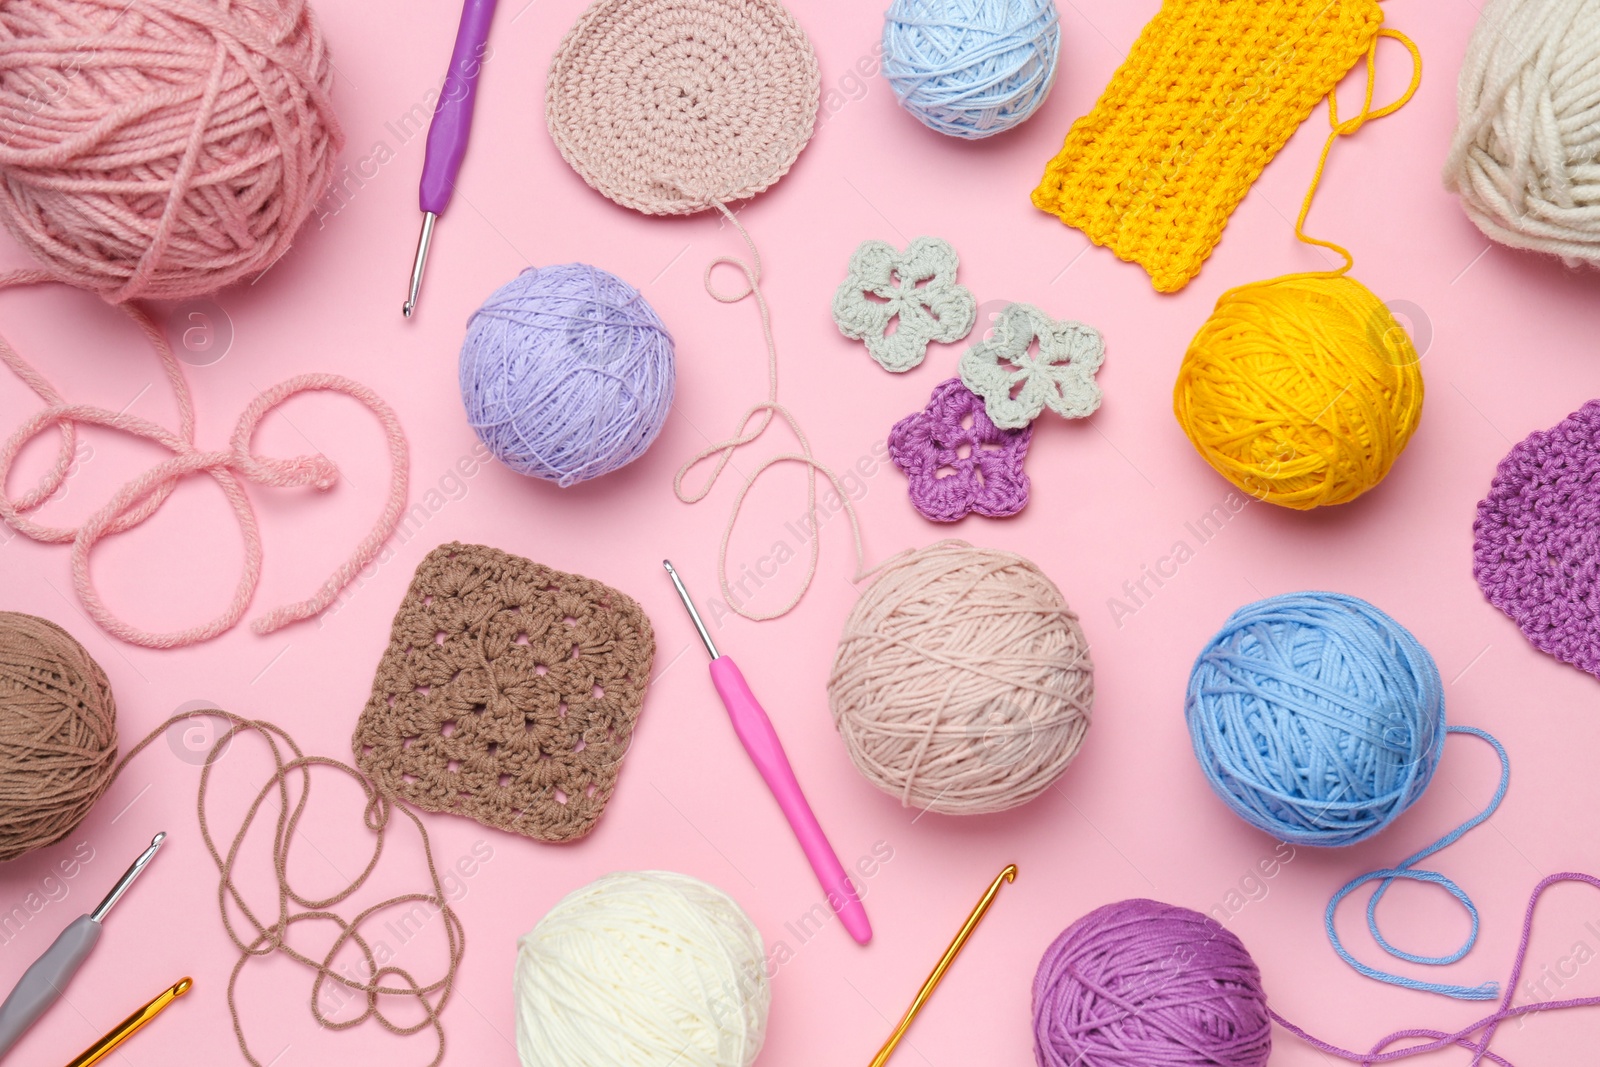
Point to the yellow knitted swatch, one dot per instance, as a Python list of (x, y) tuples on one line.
[(1210, 93)]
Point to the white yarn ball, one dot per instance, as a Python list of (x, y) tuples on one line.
[(1526, 156), (642, 969)]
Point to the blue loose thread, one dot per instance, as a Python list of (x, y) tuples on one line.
[(1319, 719), (1406, 869), (971, 68), (566, 373)]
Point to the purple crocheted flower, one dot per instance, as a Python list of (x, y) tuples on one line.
[(959, 461), (1536, 549)]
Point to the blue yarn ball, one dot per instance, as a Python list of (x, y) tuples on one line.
[(1316, 717), (971, 68), (566, 373)]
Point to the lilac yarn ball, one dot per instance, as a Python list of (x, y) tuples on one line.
[(566, 373), (1152, 984)]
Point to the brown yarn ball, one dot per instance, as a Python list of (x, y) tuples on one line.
[(58, 733), (962, 683)]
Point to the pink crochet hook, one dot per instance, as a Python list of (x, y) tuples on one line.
[(760, 740)]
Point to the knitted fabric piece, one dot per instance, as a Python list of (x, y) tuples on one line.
[(981, 464), (1017, 383), (508, 693), (1536, 540), (1208, 95), (670, 107), (917, 286)]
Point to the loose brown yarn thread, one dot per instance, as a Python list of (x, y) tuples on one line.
[(264, 939), (962, 683), (58, 733)]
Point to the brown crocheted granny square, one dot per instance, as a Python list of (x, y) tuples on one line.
[(508, 693)]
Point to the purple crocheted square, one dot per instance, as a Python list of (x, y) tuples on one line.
[(958, 461), (1536, 547)]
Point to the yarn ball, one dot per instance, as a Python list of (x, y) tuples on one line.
[(645, 969), (1525, 159), (670, 107), (567, 373), (58, 733), (162, 148), (1316, 717), (1302, 391), (962, 683), (1147, 983), (971, 68)]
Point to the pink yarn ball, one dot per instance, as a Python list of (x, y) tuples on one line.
[(162, 148)]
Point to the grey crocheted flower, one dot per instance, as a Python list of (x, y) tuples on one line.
[(918, 286), (1017, 382)]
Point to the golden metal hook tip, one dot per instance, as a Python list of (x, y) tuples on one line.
[(132, 1024), (1009, 874)]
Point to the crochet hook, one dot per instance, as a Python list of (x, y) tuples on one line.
[(1009, 874), (131, 1025), (448, 133), (42, 983), (760, 740)]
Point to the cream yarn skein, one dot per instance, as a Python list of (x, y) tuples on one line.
[(642, 969), (1525, 160), (962, 683)]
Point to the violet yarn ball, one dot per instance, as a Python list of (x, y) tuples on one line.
[(567, 373), (1144, 983)]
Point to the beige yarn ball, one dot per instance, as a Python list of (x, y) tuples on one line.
[(1525, 159), (962, 683)]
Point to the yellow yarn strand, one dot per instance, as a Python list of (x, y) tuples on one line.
[(1350, 126), (1303, 390)]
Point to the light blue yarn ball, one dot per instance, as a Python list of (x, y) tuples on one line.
[(1316, 717), (566, 373), (971, 68)]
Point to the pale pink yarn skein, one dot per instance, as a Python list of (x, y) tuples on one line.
[(962, 683), (162, 148)]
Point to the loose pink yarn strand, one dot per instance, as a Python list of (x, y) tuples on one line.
[(136, 500), (752, 424)]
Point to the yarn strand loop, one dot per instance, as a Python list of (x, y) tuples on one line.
[(139, 498), (752, 424), (1407, 870)]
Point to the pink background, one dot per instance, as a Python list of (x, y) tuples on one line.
[(1507, 340)]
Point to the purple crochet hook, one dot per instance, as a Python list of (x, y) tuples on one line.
[(452, 124)]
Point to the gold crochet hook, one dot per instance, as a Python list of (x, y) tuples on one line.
[(131, 1025), (1007, 875)]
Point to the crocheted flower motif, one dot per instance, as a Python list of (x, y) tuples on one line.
[(1536, 539), (958, 460), (918, 287), (1017, 382)]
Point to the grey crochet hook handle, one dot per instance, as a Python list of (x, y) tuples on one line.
[(42, 983)]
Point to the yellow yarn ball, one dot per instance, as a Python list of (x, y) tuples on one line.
[(1302, 391)]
